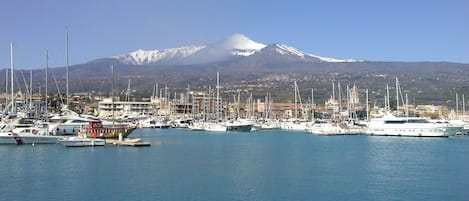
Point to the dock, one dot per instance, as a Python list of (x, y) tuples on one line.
[(134, 142)]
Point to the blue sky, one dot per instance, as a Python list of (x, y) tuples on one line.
[(399, 30)]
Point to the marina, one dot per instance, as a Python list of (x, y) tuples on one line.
[(234, 100)]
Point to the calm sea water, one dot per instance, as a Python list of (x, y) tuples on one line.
[(273, 165)]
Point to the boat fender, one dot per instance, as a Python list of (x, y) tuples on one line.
[(34, 131)]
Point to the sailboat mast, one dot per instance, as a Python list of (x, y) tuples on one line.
[(157, 91), (239, 95), (367, 106), (348, 102), (6, 87), (463, 106), (128, 91), (397, 96), (406, 105), (333, 90), (312, 104), (112, 94), (31, 89), (218, 96), (340, 98), (47, 68), (12, 80), (457, 106), (388, 107), (67, 62), (296, 109)]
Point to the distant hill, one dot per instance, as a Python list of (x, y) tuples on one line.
[(257, 68)]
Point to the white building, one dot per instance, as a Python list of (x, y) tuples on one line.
[(123, 107)]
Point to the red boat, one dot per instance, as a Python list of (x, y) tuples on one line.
[(96, 130)]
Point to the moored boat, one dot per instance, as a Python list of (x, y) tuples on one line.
[(406, 126), (196, 126), (27, 135), (78, 141), (334, 128), (239, 126), (153, 122), (96, 130)]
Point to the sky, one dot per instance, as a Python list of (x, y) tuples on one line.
[(398, 30)]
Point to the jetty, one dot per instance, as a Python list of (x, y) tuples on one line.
[(131, 142)]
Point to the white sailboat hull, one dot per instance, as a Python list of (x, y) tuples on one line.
[(28, 140), (82, 142)]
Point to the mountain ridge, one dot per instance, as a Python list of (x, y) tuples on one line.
[(231, 48)]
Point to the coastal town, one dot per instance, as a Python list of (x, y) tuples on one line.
[(234, 100), (197, 104), (194, 110)]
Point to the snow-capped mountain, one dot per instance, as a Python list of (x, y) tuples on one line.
[(167, 56), (236, 46)]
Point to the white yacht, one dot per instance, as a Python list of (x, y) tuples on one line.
[(239, 125), (153, 122), (335, 128), (28, 135), (181, 123), (67, 122), (406, 126), (295, 125), (196, 126), (267, 124), (215, 127)]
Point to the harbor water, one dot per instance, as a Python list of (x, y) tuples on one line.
[(263, 165)]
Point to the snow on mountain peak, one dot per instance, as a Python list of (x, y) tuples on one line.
[(170, 55), (236, 45), (240, 41), (288, 50)]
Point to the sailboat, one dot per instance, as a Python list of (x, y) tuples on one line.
[(96, 128), (216, 126), (296, 123), (32, 134)]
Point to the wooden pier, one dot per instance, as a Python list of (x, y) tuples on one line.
[(134, 142)]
